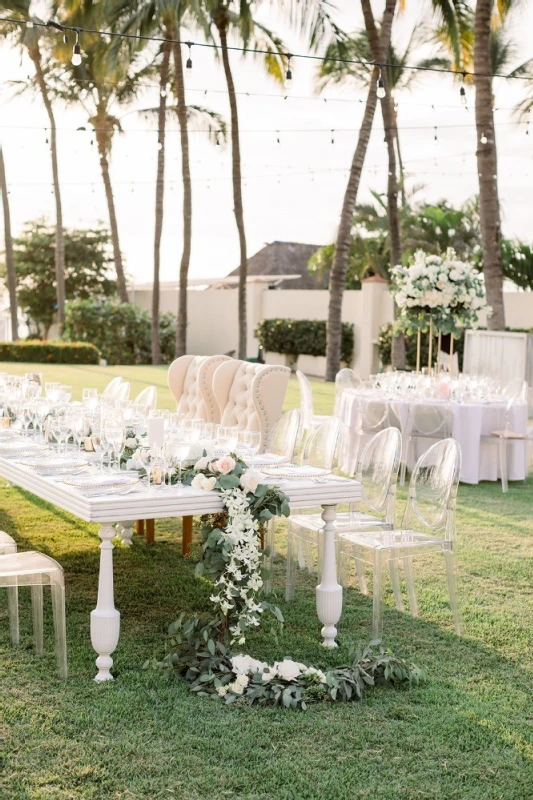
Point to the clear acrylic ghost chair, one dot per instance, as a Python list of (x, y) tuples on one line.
[(7, 546), (372, 416), (111, 388), (320, 451), (37, 570), (504, 436), (530, 428), (122, 393), (284, 435), (516, 388), (146, 400), (428, 526), (377, 472), (344, 379), (310, 419), (428, 421)]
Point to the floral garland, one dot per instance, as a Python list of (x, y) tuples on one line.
[(444, 288), (200, 645)]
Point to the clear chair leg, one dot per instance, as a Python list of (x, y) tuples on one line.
[(451, 575), (404, 457), (502, 446), (410, 582), (13, 612), (58, 607), (37, 616), (396, 586), (289, 575), (377, 606), (360, 570)]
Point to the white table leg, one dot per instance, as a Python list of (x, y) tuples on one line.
[(329, 591), (125, 531), (105, 619)]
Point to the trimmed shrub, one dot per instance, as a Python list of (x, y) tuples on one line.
[(306, 337), (35, 351), (122, 331)]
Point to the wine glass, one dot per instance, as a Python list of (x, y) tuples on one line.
[(253, 443), (89, 399), (51, 389), (55, 428), (65, 393), (114, 435), (79, 429), (227, 438), (146, 457)]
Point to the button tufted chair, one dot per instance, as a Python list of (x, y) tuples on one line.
[(190, 379), (250, 396)]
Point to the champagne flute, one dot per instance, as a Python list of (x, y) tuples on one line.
[(115, 437)]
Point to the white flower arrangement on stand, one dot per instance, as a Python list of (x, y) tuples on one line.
[(438, 292)]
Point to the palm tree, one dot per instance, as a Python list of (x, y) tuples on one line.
[(487, 164), (108, 77), (10, 262), (28, 38)]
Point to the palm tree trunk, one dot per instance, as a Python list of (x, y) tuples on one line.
[(379, 50), (400, 160), (60, 237), (487, 167), (337, 279), (237, 191), (103, 142), (159, 199), (10, 261), (181, 330)]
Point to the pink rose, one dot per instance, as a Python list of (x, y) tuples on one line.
[(225, 465)]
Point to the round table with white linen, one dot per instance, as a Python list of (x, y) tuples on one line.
[(470, 422)]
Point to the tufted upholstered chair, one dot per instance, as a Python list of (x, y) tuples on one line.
[(250, 396), (190, 379)]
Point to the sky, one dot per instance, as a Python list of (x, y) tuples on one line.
[(296, 150)]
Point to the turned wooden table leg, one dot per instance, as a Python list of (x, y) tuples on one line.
[(186, 541), (150, 531), (139, 527)]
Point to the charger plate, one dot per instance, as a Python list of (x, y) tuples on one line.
[(55, 464), (286, 471), (92, 483)]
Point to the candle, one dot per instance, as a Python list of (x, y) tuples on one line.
[(156, 431)]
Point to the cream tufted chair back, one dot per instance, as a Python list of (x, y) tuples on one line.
[(190, 379), (250, 396)]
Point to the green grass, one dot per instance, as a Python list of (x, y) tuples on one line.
[(466, 733)]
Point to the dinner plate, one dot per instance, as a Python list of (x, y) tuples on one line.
[(53, 465), (102, 483), (21, 448), (286, 471)]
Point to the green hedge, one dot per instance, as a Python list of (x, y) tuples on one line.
[(301, 337), (122, 331), (35, 351)]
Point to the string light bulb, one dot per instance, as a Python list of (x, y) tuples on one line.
[(380, 89), (288, 73), (29, 23), (483, 139), (462, 90), (76, 53), (188, 64)]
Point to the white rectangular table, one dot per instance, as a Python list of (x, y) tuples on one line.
[(160, 503)]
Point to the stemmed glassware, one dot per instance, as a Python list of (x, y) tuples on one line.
[(227, 437), (179, 446), (114, 435)]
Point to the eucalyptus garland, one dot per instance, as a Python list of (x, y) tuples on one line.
[(201, 645)]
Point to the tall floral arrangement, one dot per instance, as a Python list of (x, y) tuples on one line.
[(443, 289)]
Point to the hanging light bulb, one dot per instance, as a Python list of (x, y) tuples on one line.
[(65, 38), (483, 139), (163, 92), (288, 73), (380, 89), (76, 53), (159, 145), (462, 91), (29, 23), (188, 64)]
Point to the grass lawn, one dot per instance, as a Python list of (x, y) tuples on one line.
[(466, 733)]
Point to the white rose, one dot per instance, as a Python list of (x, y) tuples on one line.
[(225, 465), (454, 275), (198, 481), (222, 690), (209, 484), (288, 670), (201, 463), (250, 480), (241, 665)]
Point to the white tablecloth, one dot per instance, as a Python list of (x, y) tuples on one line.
[(471, 421)]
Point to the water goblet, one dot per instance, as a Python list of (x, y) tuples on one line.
[(179, 447), (227, 438)]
